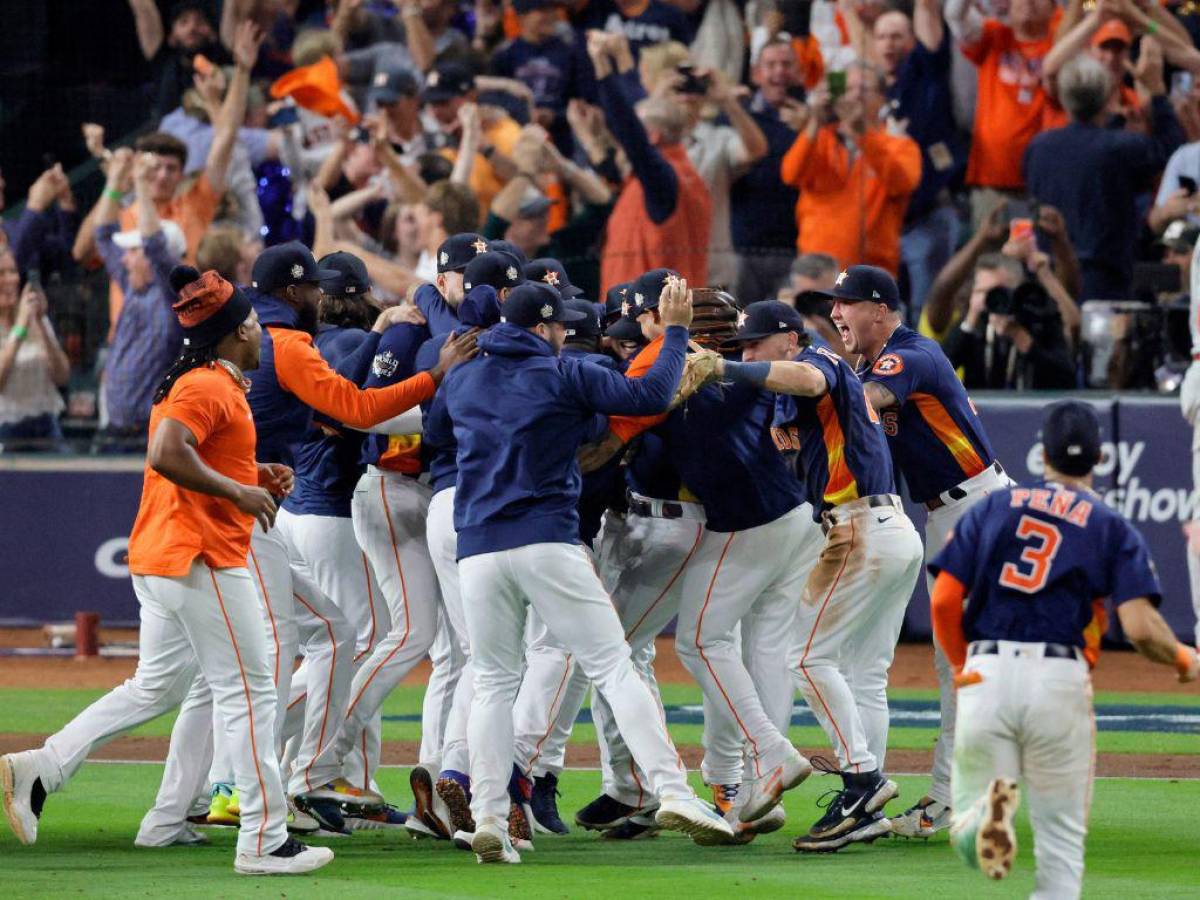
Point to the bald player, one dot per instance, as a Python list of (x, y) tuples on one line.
[(940, 447)]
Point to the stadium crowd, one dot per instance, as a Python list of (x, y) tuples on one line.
[(1007, 160)]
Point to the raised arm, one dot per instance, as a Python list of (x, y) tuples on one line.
[(149, 25), (233, 111), (939, 306), (752, 143), (964, 20), (928, 25)]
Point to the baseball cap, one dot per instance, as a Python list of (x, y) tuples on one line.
[(533, 204), (614, 301), (1180, 236), (550, 271), (496, 268), (647, 288), (865, 284), (1112, 30), (351, 274), (286, 264), (389, 85), (1071, 437), (509, 247), (533, 303), (458, 250), (767, 317), (447, 81), (176, 242), (208, 308), (587, 328)]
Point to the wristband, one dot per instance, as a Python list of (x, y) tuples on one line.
[(1151, 27), (754, 373), (114, 194), (18, 334), (1183, 655)]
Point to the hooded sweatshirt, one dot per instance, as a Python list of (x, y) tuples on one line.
[(520, 413)]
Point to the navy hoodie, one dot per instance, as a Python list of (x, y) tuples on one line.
[(520, 413)]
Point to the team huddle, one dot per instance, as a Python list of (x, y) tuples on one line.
[(526, 488)]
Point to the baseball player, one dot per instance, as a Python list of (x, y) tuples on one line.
[(1189, 400), (201, 498), (1030, 562), (938, 445), (853, 604), (519, 413)]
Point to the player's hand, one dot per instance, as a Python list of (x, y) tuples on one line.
[(276, 478), (962, 679), (675, 303), (1192, 672), (404, 313), (257, 502), (456, 350)]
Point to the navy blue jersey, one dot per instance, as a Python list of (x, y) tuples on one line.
[(395, 361), (550, 69), (602, 485), (935, 435), (439, 314), (720, 441), (1038, 561), (837, 436)]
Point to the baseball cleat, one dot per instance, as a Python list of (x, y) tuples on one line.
[(520, 814), (922, 820), (462, 839), (342, 793), (604, 813), (24, 794), (388, 817), (454, 789), (996, 842), (219, 812), (491, 844), (866, 827), (299, 822), (635, 828), (695, 819), (725, 797), (767, 790), (422, 788), (544, 805), (327, 814), (187, 836), (293, 858), (745, 832)]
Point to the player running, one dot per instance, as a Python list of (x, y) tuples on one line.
[(1030, 562), (938, 445)]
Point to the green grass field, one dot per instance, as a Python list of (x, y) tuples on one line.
[(1141, 844)]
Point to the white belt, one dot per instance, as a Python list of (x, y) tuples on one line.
[(963, 489)]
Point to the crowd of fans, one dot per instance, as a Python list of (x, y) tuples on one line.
[(1008, 160)]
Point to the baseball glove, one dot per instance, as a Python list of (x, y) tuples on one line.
[(714, 317), (699, 369)]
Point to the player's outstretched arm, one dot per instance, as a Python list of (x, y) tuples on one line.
[(797, 378), (1152, 637)]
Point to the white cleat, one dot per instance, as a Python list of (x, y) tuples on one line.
[(293, 858), (492, 844), (745, 832), (767, 790), (996, 841), (187, 836), (300, 822), (922, 820), (23, 794), (696, 819)]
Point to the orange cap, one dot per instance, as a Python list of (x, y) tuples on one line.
[(1112, 30), (316, 88)]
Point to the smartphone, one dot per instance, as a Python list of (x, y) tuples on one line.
[(1188, 184), (361, 135), (1020, 229), (797, 16), (1181, 84), (798, 93), (692, 83), (836, 82), (285, 115), (202, 64), (33, 279)]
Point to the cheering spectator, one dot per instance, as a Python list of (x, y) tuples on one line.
[(394, 93), (41, 236), (642, 22), (762, 210), (1095, 174), (140, 259), (32, 365), (663, 212), (915, 56), (376, 43), (172, 54), (1011, 102), (854, 176)]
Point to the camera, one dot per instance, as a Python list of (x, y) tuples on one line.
[(692, 83), (1028, 303)]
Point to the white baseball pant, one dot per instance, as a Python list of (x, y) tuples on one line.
[(389, 512), (206, 621), (557, 580), (1189, 401), (1031, 718), (550, 692), (751, 577), (447, 661), (938, 525), (849, 622)]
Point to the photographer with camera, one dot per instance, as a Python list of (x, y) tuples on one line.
[(1017, 332)]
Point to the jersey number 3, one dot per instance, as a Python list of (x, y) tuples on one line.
[(1045, 539)]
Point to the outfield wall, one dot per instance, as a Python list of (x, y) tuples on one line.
[(65, 520)]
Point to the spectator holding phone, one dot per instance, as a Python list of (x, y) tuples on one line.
[(172, 52), (1094, 174), (33, 367)]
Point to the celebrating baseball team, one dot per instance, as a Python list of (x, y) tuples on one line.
[(527, 488)]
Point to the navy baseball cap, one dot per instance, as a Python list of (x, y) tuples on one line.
[(286, 264), (510, 247), (534, 303), (865, 284), (521, 7), (646, 290), (447, 81), (550, 271), (615, 300), (458, 250), (389, 85), (587, 328), (765, 318), (351, 274), (1071, 437), (495, 267)]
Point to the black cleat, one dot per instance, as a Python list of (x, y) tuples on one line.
[(604, 813), (544, 804)]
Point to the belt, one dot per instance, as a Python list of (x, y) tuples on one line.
[(836, 514), (1048, 651), (653, 508), (958, 492)]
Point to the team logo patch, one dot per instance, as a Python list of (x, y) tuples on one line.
[(841, 277), (625, 307), (380, 79), (741, 320), (444, 258), (547, 311), (888, 364), (551, 277), (297, 271), (639, 299), (480, 246), (384, 365), (511, 273)]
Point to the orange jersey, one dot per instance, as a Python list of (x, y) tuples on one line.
[(629, 427), (852, 207), (175, 525)]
